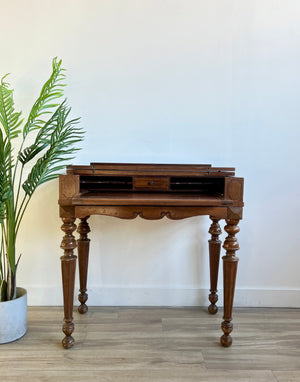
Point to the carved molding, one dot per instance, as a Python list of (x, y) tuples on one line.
[(235, 213), (231, 243), (234, 188), (84, 229), (68, 186), (215, 230), (68, 242), (149, 213)]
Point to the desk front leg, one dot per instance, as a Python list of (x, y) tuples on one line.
[(230, 262), (83, 258), (68, 265)]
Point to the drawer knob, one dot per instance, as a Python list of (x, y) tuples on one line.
[(150, 182)]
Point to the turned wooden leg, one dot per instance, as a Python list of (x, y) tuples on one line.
[(83, 244), (68, 265), (230, 262), (214, 259)]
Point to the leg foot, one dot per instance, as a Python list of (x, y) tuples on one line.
[(214, 258), (213, 309), (68, 341), (226, 339), (83, 308)]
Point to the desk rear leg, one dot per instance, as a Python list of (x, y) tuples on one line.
[(214, 259), (83, 244)]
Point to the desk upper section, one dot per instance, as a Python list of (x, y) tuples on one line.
[(150, 184)]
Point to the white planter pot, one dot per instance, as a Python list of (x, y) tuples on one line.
[(13, 317)]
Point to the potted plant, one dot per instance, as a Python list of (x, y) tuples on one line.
[(45, 144)]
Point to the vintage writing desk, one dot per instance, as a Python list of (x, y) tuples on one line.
[(150, 191)]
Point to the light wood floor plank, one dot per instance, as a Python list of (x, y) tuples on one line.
[(156, 345), (143, 376), (287, 376)]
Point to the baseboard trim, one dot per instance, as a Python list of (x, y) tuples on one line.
[(164, 296)]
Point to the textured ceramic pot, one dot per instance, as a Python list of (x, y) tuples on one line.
[(13, 317)]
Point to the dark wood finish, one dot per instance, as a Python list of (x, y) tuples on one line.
[(68, 265), (144, 199), (83, 244), (150, 213), (214, 259), (150, 191), (234, 188), (68, 186), (148, 168), (230, 262), (138, 169), (145, 183)]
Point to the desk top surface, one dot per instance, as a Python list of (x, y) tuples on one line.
[(150, 169), (147, 199)]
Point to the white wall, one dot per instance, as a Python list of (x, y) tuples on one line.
[(175, 81)]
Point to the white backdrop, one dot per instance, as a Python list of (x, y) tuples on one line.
[(174, 81)]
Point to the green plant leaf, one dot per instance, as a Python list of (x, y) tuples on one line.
[(42, 139), (54, 136), (5, 168), (9, 118), (52, 89), (61, 150)]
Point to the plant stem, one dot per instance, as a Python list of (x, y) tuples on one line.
[(2, 255), (19, 185), (16, 165), (11, 234), (19, 211), (4, 233), (20, 214)]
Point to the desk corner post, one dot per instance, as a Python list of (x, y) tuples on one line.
[(83, 257), (214, 259), (230, 262), (68, 265)]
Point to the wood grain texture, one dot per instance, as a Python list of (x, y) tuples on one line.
[(151, 191), (156, 344), (150, 213), (68, 265), (146, 199), (230, 262), (69, 186), (214, 259), (83, 247)]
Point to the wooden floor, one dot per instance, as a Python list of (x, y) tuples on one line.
[(156, 344)]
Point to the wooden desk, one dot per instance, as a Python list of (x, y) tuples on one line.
[(151, 191)]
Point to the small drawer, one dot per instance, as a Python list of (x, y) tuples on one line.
[(157, 183)]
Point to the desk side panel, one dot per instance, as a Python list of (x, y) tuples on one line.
[(234, 189), (68, 187)]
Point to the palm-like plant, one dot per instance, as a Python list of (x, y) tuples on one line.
[(52, 135)]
